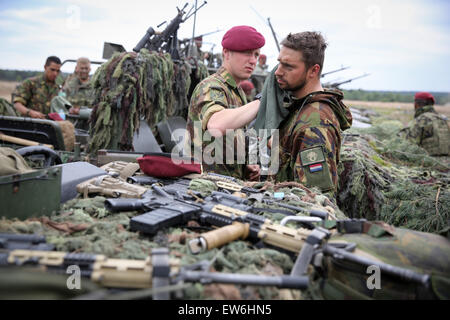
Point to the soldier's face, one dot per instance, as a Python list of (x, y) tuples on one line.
[(291, 73), (52, 71), (241, 64), (82, 70)]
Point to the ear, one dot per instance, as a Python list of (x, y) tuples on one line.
[(225, 53), (313, 72)]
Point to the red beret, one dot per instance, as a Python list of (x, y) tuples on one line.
[(424, 96), (261, 56), (247, 86), (242, 38)]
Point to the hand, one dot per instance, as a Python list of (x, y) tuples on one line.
[(253, 172), (36, 114), (74, 110)]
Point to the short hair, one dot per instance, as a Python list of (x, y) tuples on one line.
[(53, 59), (311, 44), (83, 60), (424, 102)]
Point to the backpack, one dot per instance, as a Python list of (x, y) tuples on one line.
[(422, 253)]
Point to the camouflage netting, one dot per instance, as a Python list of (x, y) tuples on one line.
[(84, 225), (134, 86), (384, 177), (7, 109)]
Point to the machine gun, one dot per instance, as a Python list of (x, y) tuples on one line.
[(337, 84), (158, 271), (333, 71), (166, 40)]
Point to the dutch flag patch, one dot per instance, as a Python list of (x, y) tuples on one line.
[(315, 167)]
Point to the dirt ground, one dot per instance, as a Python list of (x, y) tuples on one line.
[(6, 88)]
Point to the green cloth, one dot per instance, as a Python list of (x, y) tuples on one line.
[(274, 102)]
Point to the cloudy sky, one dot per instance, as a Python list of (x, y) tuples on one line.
[(402, 44)]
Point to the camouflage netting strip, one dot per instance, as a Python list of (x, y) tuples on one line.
[(7, 109), (133, 86), (384, 177)]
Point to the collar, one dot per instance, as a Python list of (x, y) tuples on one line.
[(423, 110), (227, 77)]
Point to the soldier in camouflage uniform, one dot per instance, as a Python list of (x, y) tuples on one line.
[(32, 98), (429, 129), (310, 136), (218, 102), (77, 87)]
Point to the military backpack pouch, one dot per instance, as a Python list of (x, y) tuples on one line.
[(315, 168), (167, 165)]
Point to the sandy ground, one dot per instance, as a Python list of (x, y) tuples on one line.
[(6, 88)]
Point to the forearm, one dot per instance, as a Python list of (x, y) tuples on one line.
[(21, 109), (232, 118)]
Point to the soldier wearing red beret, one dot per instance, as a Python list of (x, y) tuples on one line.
[(428, 129), (218, 103), (261, 67)]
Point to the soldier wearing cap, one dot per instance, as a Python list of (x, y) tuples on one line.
[(428, 129), (249, 90), (218, 102), (261, 67)]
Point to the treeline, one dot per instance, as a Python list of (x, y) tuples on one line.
[(392, 96), (19, 75), (362, 95)]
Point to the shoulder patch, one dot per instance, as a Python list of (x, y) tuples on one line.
[(312, 155)]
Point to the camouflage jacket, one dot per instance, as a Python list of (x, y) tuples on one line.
[(215, 93), (36, 93), (310, 140), (79, 94), (430, 131)]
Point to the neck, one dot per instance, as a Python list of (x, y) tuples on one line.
[(311, 86)]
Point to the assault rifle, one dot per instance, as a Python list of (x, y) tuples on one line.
[(158, 272), (219, 210), (166, 40)]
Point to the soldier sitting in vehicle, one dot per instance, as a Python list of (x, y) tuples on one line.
[(428, 129), (77, 86), (32, 98)]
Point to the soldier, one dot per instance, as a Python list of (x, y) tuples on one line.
[(218, 102), (77, 87), (428, 129), (249, 90), (33, 96), (310, 118), (261, 68)]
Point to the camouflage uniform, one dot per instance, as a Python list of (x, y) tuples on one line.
[(36, 93), (310, 140), (79, 94), (430, 131), (261, 69), (215, 93)]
